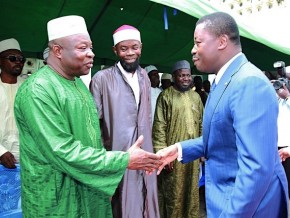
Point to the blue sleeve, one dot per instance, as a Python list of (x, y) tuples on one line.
[(192, 149)]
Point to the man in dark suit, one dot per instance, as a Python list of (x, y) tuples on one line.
[(243, 173)]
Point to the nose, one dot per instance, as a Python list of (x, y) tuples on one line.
[(193, 50), (130, 52), (187, 78), (91, 54)]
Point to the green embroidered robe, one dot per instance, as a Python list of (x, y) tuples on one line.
[(65, 171)]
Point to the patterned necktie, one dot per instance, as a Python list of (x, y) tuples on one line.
[(213, 86)]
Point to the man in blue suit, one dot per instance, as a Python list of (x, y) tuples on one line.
[(243, 173)]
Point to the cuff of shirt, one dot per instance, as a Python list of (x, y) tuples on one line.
[(179, 149)]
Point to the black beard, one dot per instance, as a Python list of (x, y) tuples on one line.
[(182, 88), (130, 67), (16, 72)]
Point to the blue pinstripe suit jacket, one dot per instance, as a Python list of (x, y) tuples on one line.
[(243, 173)]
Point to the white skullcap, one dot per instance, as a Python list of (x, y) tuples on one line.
[(66, 26), (126, 32), (45, 53), (150, 68), (9, 44), (166, 76)]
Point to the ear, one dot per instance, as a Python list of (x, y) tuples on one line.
[(174, 76), (114, 50), (141, 45), (57, 50), (223, 42)]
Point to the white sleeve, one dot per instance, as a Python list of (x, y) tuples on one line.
[(179, 148)]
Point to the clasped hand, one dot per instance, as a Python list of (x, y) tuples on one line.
[(168, 155), (143, 160)]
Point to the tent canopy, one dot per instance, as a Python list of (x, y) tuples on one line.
[(26, 21)]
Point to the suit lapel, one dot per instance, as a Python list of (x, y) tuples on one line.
[(216, 94)]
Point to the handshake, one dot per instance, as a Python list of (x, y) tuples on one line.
[(143, 160)]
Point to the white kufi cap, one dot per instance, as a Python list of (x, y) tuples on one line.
[(66, 26), (9, 44), (166, 76), (150, 68), (126, 32)]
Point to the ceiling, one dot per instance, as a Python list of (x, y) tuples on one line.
[(26, 21)]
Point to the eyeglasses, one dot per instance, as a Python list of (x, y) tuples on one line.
[(13, 58)]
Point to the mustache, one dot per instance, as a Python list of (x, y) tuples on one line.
[(183, 88)]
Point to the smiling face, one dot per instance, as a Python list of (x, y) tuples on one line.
[(75, 54), (182, 79), (129, 52), (205, 52), (217, 40)]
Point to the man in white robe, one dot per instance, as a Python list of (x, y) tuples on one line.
[(11, 64)]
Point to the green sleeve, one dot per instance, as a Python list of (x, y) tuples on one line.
[(47, 139)]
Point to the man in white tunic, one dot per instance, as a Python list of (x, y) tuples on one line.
[(11, 64)]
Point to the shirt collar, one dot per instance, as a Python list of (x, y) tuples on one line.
[(224, 68)]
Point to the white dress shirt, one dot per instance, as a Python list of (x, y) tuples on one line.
[(132, 80)]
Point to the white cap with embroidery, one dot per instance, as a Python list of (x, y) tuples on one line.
[(9, 44), (126, 32), (66, 26)]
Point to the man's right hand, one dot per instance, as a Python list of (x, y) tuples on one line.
[(142, 160), (8, 160), (168, 155)]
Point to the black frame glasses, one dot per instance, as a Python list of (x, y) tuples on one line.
[(14, 58)]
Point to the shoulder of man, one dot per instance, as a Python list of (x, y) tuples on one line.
[(105, 72), (167, 93), (142, 70)]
